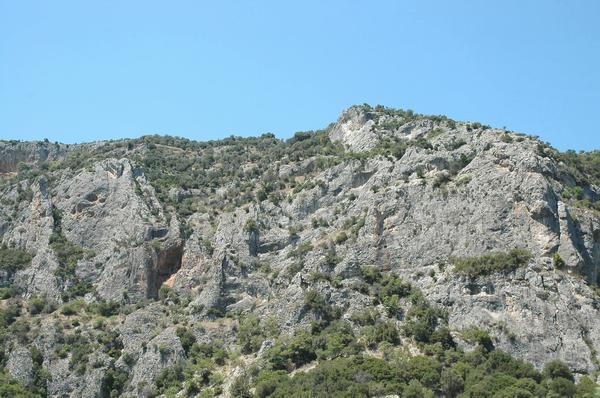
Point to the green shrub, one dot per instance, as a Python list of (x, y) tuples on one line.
[(370, 274), (301, 250), (389, 290), (9, 387), (492, 262), (8, 292), (557, 369), (365, 317), (114, 382), (68, 309), (386, 331), (240, 388), (251, 226), (583, 166), (479, 336), (13, 258), (250, 334), (111, 343), (66, 252), (80, 352), (341, 237), (422, 321), (325, 313), (105, 308), (36, 305), (574, 192), (40, 375), (558, 262), (186, 338)]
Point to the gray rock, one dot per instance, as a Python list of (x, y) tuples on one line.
[(458, 191)]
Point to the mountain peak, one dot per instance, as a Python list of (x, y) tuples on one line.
[(164, 265)]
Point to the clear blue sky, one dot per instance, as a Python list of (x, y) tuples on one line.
[(76, 71)]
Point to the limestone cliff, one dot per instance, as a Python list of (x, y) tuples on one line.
[(175, 233)]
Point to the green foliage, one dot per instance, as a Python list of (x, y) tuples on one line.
[(574, 192), (114, 382), (172, 162), (580, 198), (13, 258), (240, 388), (36, 305), (79, 349), (304, 347), (67, 254), (9, 387), (557, 369), (449, 373), (479, 336), (186, 337), (207, 246), (165, 293), (431, 134), (301, 250), (196, 373), (341, 237), (381, 331), (40, 375), (325, 313), (388, 289), (8, 292), (8, 315), (370, 274), (455, 144), (583, 166), (250, 334), (69, 309), (492, 262), (422, 321), (558, 262), (105, 308), (319, 222), (251, 226)]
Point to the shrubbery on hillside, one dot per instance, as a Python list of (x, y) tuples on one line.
[(492, 262), (13, 258)]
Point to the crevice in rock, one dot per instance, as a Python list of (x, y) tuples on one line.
[(253, 243), (166, 262)]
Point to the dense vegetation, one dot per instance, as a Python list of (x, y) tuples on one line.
[(492, 262), (584, 166), (373, 362), (13, 258), (448, 373), (18, 320)]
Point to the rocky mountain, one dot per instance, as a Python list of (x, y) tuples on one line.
[(398, 253)]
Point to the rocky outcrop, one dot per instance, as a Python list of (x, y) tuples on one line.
[(14, 152), (456, 190)]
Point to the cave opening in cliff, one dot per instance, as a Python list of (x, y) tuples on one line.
[(167, 263)]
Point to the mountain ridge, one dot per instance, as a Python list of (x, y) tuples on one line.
[(489, 232)]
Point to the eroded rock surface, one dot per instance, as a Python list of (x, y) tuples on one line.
[(455, 190)]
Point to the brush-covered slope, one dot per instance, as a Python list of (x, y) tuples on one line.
[(390, 253)]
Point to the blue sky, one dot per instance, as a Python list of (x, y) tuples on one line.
[(77, 71)]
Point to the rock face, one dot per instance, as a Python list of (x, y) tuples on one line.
[(28, 152), (455, 190)]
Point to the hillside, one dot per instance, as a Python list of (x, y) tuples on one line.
[(390, 253)]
